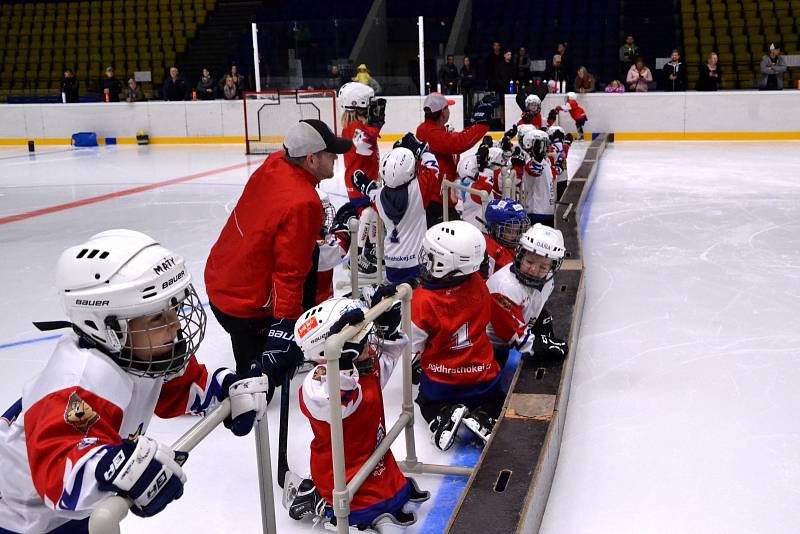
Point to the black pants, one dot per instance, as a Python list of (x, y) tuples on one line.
[(491, 403), (248, 337), (434, 213)]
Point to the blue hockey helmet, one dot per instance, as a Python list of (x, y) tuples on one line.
[(506, 221)]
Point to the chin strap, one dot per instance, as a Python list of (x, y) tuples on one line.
[(47, 326)]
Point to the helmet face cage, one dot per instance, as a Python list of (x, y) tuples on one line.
[(508, 232), (373, 342), (148, 351), (532, 281)]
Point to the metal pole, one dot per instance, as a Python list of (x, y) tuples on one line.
[(379, 249), (408, 401), (421, 56), (264, 462), (445, 200), (256, 60), (352, 227)]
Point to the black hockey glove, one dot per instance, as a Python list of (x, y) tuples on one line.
[(416, 146), (363, 183), (569, 139), (482, 156), (517, 157), (281, 354), (552, 116), (484, 110), (545, 346), (542, 324), (487, 141), (388, 324), (343, 215), (511, 133), (527, 116), (376, 112), (350, 351)]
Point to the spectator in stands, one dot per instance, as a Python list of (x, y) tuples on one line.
[(710, 75), (628, 53), (206, 87), (334, 79), (69, 87), (230, 91), (556, 71), (773, 66), (110, 87), (615, 86), (174, 87), (523, 66), (504, 74), (639, 77), (448, 76), (584, 82), (364, 76), (566, 62), (673, 74), (494, 59), (238, 79), (467, 85), (133, 93)]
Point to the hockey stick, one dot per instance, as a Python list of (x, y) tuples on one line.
[(283, 432)]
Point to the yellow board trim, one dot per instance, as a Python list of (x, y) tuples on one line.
[(706, 136)]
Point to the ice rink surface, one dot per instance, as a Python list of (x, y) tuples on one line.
[(683, 416), (181, 195), (683, 410)]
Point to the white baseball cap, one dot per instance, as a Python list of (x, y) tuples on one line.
[(436, 102), (310, 136)]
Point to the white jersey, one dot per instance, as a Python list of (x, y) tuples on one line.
[(52, 439), (514, 306), (540, 187)]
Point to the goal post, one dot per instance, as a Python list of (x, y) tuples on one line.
[(269, 114)]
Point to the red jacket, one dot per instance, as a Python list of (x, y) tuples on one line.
[(537, 120), (447, 146), (261, 259)]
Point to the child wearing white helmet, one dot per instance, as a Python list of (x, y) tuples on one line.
[(450, 311), (575, 111), (366, 363), (536, 175), (519, 292), (410, 182), (560, 144), (333, 245), (79, 433), (532, 112), (480, 171)]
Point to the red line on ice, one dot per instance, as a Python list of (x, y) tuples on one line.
[(117, 194)]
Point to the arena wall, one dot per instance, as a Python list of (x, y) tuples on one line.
[(631, 116)]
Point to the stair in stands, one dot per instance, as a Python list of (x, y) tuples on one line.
[(217, 39)]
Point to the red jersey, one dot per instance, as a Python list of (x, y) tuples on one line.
[(536, 121), (449, 326), (260, 261), (364, 155), (499, 256), (447, 146), (575, 110), (364, 428)]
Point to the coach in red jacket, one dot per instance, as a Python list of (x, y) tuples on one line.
[(448, 145), (257, 269)]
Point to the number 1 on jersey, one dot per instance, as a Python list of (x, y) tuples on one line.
[(461, 338)]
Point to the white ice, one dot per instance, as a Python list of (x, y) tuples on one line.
[(222, 492), (683, 416)]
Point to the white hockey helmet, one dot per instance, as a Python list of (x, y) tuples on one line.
[(535, 142), (398, 167), (533, 103), (468, 167), (570, 96), (121, 275), (542, 241), (496, 157), (328, 212), (451, 249), (355, 96), (313, 328), (523, 130), (556, 133)]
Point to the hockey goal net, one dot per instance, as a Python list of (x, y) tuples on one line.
[(268, 114)]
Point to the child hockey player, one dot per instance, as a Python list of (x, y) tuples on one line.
[(575, 111), (365, 368), (460, 380), (362, 119), (410, 183), (79, 433), (479, 171), (538, 182), (506, 221), (333, 244), (559, 151), (532, 114), (519, 292)]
